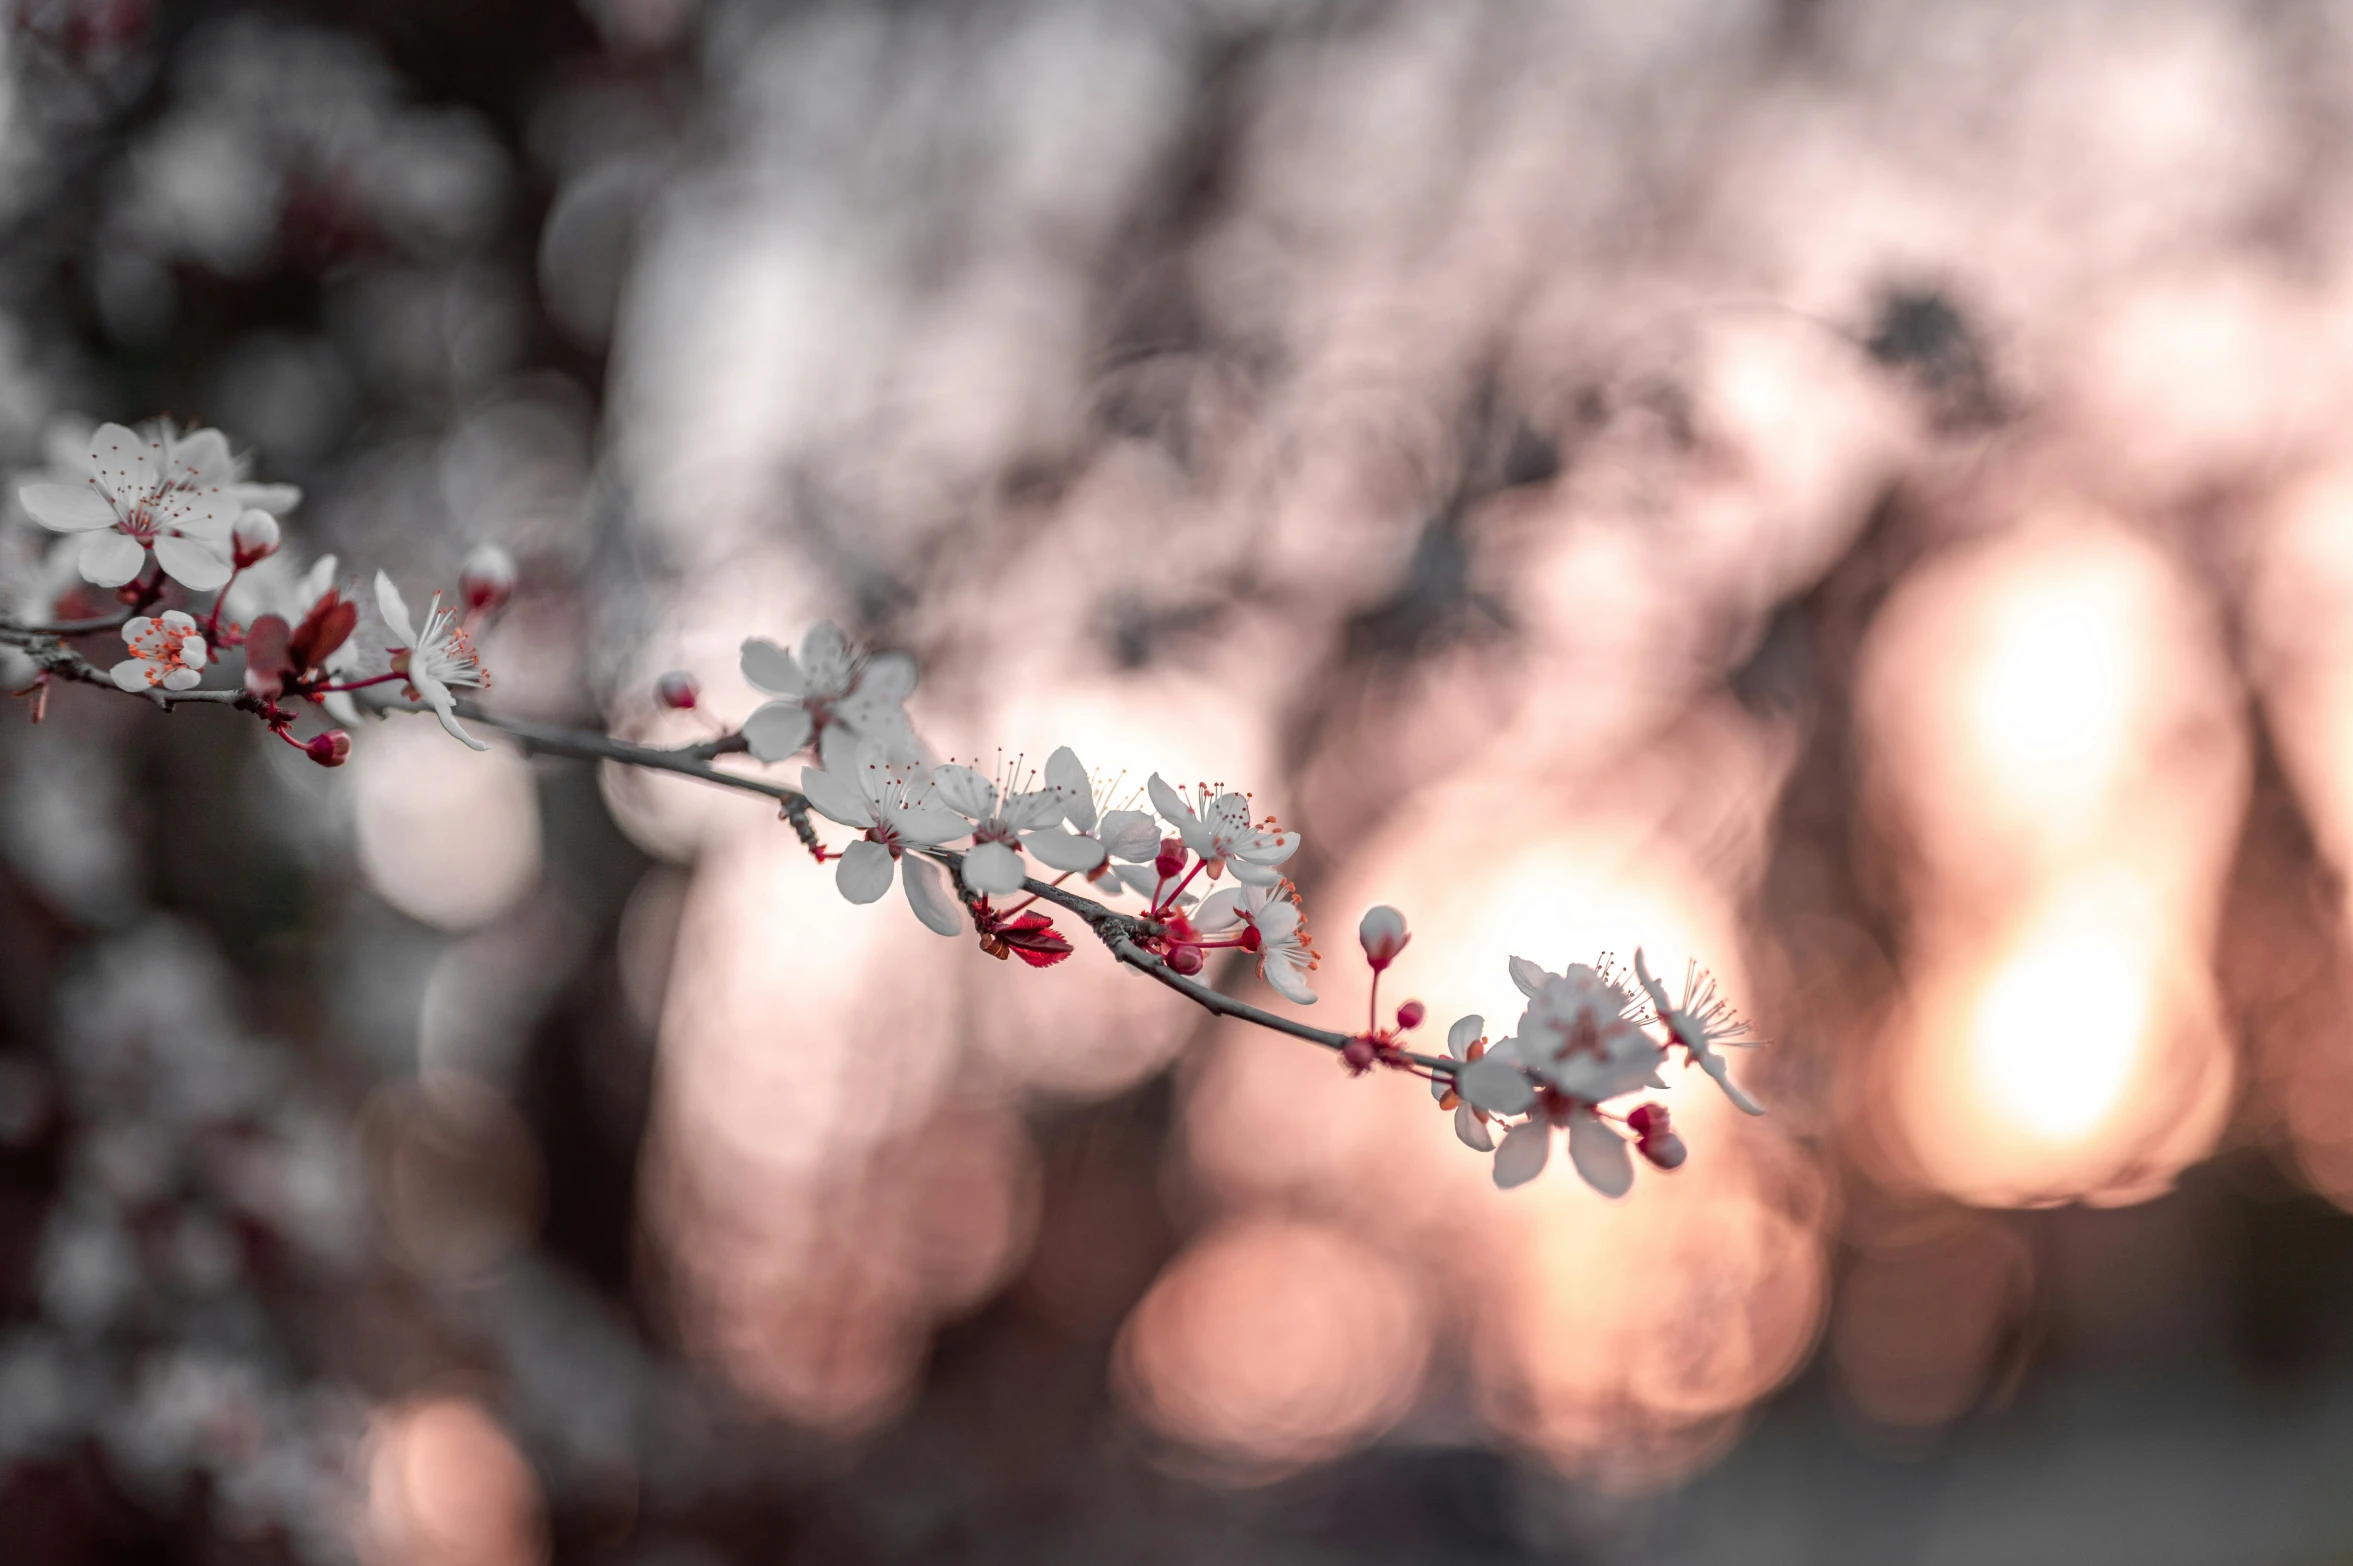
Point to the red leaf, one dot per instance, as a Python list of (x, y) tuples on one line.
[(324, 629), (1031, 937), (266, 660)]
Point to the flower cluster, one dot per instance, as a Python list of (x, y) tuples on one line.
[(1585, 1041), (157, 514)]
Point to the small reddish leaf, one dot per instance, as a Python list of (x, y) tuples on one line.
[(1031, 937), (328, 625), (267, 663)]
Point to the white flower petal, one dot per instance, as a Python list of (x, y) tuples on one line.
[(1465, 1032), (993, 869), (276, 499), (1130, 835), (1600, 1155), (1252, 875), (1521, 1157), (1060, 850), (202, 456), (777, 731), (191, 564), (1288, 977), (925, 824), (865, 871), (67, 508), (1027, 812), (131, 674), (1530, 978), (771, 669), (836, 800), (927, 894), (1067, 776), (1718, 1067), (888, 675), (1170, 804), (1221, 913), (965, 791), (182, 680), (122, 461), (1496, 1085), (395, 611), (111, 559), (1472, 1130), (825, 660)]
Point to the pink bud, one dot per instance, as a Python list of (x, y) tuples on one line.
[(1383, 934), (1664, 1149), (1644, 1119), (487, 577), (1410, 1014), (1359, 1054), (1185, 959), (1171, 862), (330, 749), (677, 690), (253, 539)]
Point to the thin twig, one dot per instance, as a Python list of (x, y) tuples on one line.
[(1117, 930)]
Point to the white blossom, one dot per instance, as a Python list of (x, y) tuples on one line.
[(833, 694), (166, 651), (999, 816), (1101, 835), (434, 657), (1278, 933), (1223, 834), (1577, 1036), (1466, 1041), (1702, 1021), (887, 796), (137, 499)]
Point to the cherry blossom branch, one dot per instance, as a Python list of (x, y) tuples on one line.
[(1116, 930), (57, 661)]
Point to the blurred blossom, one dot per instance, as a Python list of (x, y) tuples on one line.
[(1270, 1344), (2054, 735), (448, 836), (446, 1487)]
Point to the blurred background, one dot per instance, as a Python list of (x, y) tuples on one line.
[(1853, 491)]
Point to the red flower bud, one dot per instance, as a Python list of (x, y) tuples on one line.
[(1171, 862), (1664, 1149), (253, 540), (1645, 1119), (330, 749), (1185, 959), (1410, 1014), (677, 690), (487, 578)]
